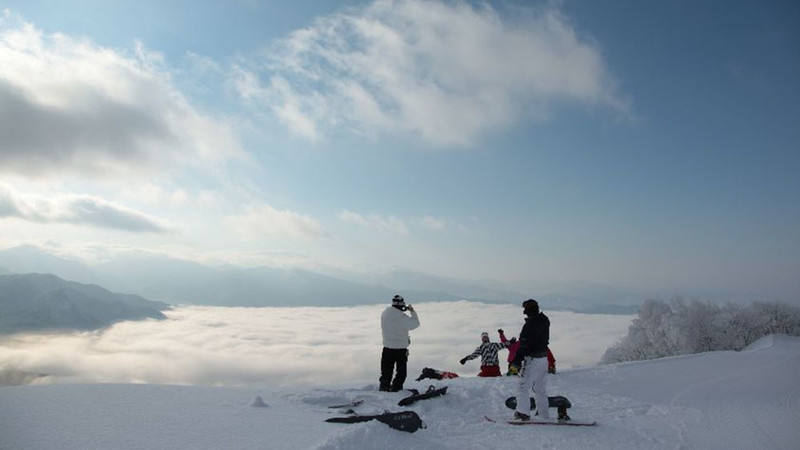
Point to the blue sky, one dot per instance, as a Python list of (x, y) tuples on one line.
[(644, 144)]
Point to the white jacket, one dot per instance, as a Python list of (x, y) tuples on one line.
[(395, 326)]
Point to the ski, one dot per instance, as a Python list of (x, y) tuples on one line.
[(431, 392), (407, 421)]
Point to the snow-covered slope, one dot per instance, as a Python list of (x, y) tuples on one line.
[(724, 400)]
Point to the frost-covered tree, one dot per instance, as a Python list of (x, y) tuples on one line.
[(679, 327)]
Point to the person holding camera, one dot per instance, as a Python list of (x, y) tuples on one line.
[(395, 325)]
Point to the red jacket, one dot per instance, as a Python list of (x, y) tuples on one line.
[(512, 351)]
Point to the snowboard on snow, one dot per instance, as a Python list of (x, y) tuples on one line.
[(557, 422), (554, 402), (352, 404), (407, 421), (567, 423), (431, 392)]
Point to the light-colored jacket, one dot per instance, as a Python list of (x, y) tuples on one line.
[(395, 325)]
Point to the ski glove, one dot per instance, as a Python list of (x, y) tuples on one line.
[(463, 361)]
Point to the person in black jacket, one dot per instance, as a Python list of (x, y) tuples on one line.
[(532, 358)]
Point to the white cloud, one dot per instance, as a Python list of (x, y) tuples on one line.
[(292, 109), (264, 220), (75, 209), (68, 105), (152, 194), (401, 227), (434, 223), (173, 197), (390, 225), (448, 72), (247, 85), (289, 346)]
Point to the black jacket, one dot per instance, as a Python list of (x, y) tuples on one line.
[(534, 338)]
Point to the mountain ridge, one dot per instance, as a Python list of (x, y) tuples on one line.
[(178, 281), (44, 302)]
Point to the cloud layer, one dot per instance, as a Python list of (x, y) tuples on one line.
[(287, 346), (447, 72), (68, 105)]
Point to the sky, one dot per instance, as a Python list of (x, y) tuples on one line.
[(287, 346), (644, 144)]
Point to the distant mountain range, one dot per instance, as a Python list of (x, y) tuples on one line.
[(36, 302), (177, 281)]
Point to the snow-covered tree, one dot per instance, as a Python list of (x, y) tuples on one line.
[(679, 327)]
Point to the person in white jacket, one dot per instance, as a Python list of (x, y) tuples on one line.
[(395, 325)]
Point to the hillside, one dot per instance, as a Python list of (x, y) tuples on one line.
[(37, 302), (718, 400)]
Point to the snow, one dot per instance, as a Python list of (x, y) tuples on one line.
[(724, 400)]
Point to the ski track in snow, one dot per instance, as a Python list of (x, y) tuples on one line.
[(718, 400)]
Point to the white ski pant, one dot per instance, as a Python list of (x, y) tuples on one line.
[(534, 376)]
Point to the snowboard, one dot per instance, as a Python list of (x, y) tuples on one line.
[(431, 392), (557, 422), (567, 423), (407, 421), (553, 402), (352, 404)]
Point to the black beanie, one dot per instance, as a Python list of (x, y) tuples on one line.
[(531, 307)]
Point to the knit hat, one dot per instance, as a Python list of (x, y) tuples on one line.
[(398, 301), (484, 335)]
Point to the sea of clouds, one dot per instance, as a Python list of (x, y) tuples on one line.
[(287, 346)]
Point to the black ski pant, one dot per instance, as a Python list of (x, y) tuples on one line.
[(389, 358)]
